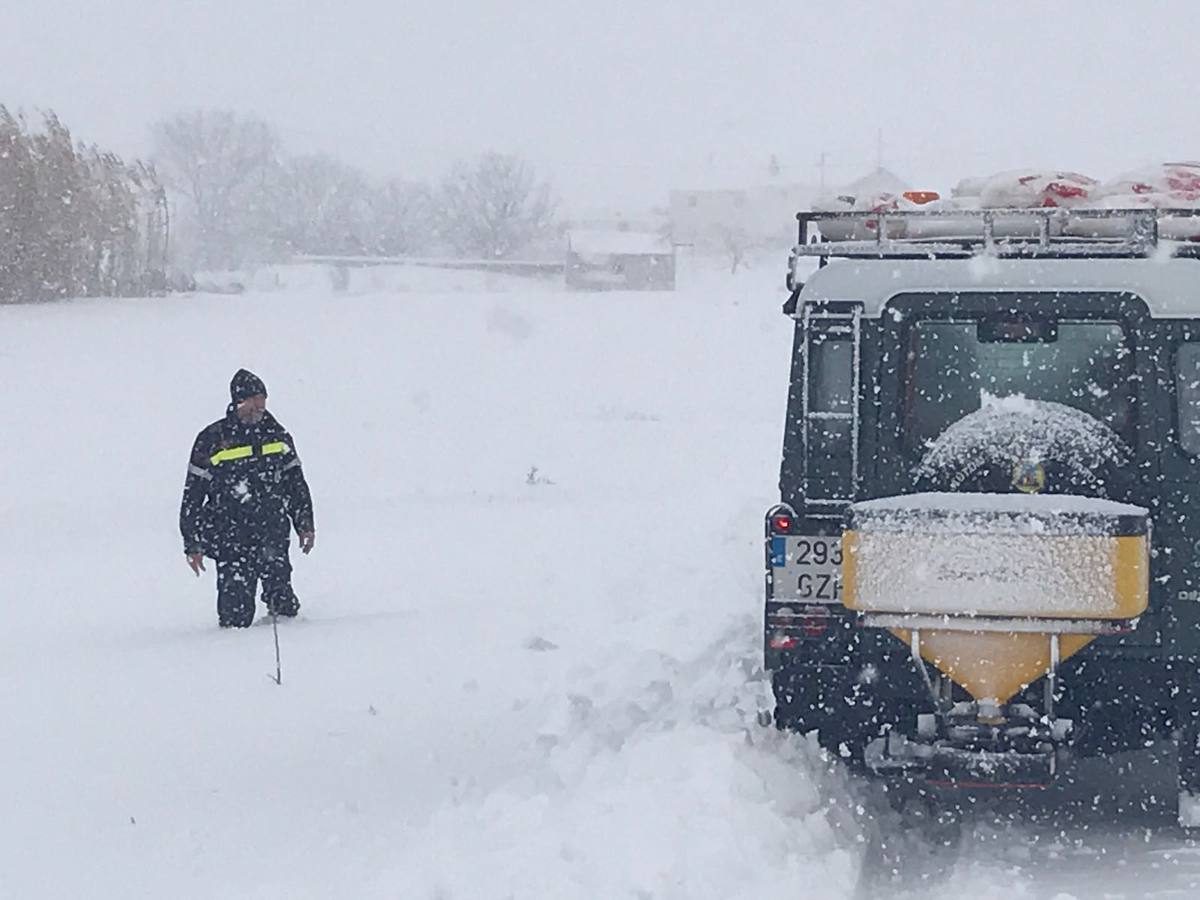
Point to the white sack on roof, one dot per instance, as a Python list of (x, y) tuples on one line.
[(1033, 188), (864, 230), (1172, 228), (1180, 178), (970, 187), (1173, 185)]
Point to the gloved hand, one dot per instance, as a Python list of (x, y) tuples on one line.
[(307, 539), (196, 561)]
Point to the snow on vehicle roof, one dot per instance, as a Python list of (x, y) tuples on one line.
[(1169, 286), (617, 243)]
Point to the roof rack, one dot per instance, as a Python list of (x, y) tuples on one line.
[(1045, 233)]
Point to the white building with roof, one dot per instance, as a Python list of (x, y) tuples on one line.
[(619, 260), (880, 181), (758, 215)]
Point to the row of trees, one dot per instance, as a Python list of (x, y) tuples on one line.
[(241, 199), (75, 220)]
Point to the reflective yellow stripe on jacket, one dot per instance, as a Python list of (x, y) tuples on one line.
[(232, 453)]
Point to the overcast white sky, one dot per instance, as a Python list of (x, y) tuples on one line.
[(620, 100)]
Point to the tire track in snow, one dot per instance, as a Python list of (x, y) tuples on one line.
[(1107, 831)]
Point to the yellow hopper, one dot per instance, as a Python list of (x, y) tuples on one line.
[(995, 589)]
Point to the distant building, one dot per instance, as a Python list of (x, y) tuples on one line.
[(758, 216), (646, 220), (619, 260), (765, 214), (880, 181)]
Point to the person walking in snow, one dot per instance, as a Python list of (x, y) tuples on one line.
[(244, 488)]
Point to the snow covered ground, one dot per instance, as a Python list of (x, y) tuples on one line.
[(528, 664)]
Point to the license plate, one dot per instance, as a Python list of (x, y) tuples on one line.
[(807, 568)]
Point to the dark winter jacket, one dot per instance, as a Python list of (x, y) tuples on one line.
[(244, 484)]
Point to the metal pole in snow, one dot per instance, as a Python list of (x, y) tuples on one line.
[(278, 679)]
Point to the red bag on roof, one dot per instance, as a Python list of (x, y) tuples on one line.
[(1032, 188), (1181, 180)]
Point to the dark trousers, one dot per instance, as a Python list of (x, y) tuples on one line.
[(238, 576)]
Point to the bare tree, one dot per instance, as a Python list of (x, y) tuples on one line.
[(494, 207), (226, 169), (327, 207), (733, 241), (324, 206), (18, 209), (402, 217)]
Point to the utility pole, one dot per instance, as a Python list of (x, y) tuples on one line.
[(821, 168), (879, 149)]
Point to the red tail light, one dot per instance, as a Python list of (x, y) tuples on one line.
[(781, 524), (814, 626), (811, 622), (780, 641)]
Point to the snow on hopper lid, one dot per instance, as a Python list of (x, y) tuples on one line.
[(970, 513)]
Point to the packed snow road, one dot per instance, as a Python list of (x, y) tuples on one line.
[(1107, 830), (528, 659)]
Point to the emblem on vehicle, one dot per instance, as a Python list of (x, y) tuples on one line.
[(1029, 477)]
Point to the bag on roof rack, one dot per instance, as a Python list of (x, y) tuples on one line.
[(1166, 186), (970, 187), (1031, 188), (1017, 189), (867, 229), (1168, 178), (858, 229)]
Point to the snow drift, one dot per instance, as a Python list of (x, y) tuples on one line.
[(528, 661)]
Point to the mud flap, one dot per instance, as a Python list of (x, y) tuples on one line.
[(1189, 810), (1188, 750)]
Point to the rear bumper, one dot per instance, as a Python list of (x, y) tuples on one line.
[(896, 755), (870, 690)]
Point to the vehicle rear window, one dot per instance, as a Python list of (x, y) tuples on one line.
[(952, 365), (832, 376)]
